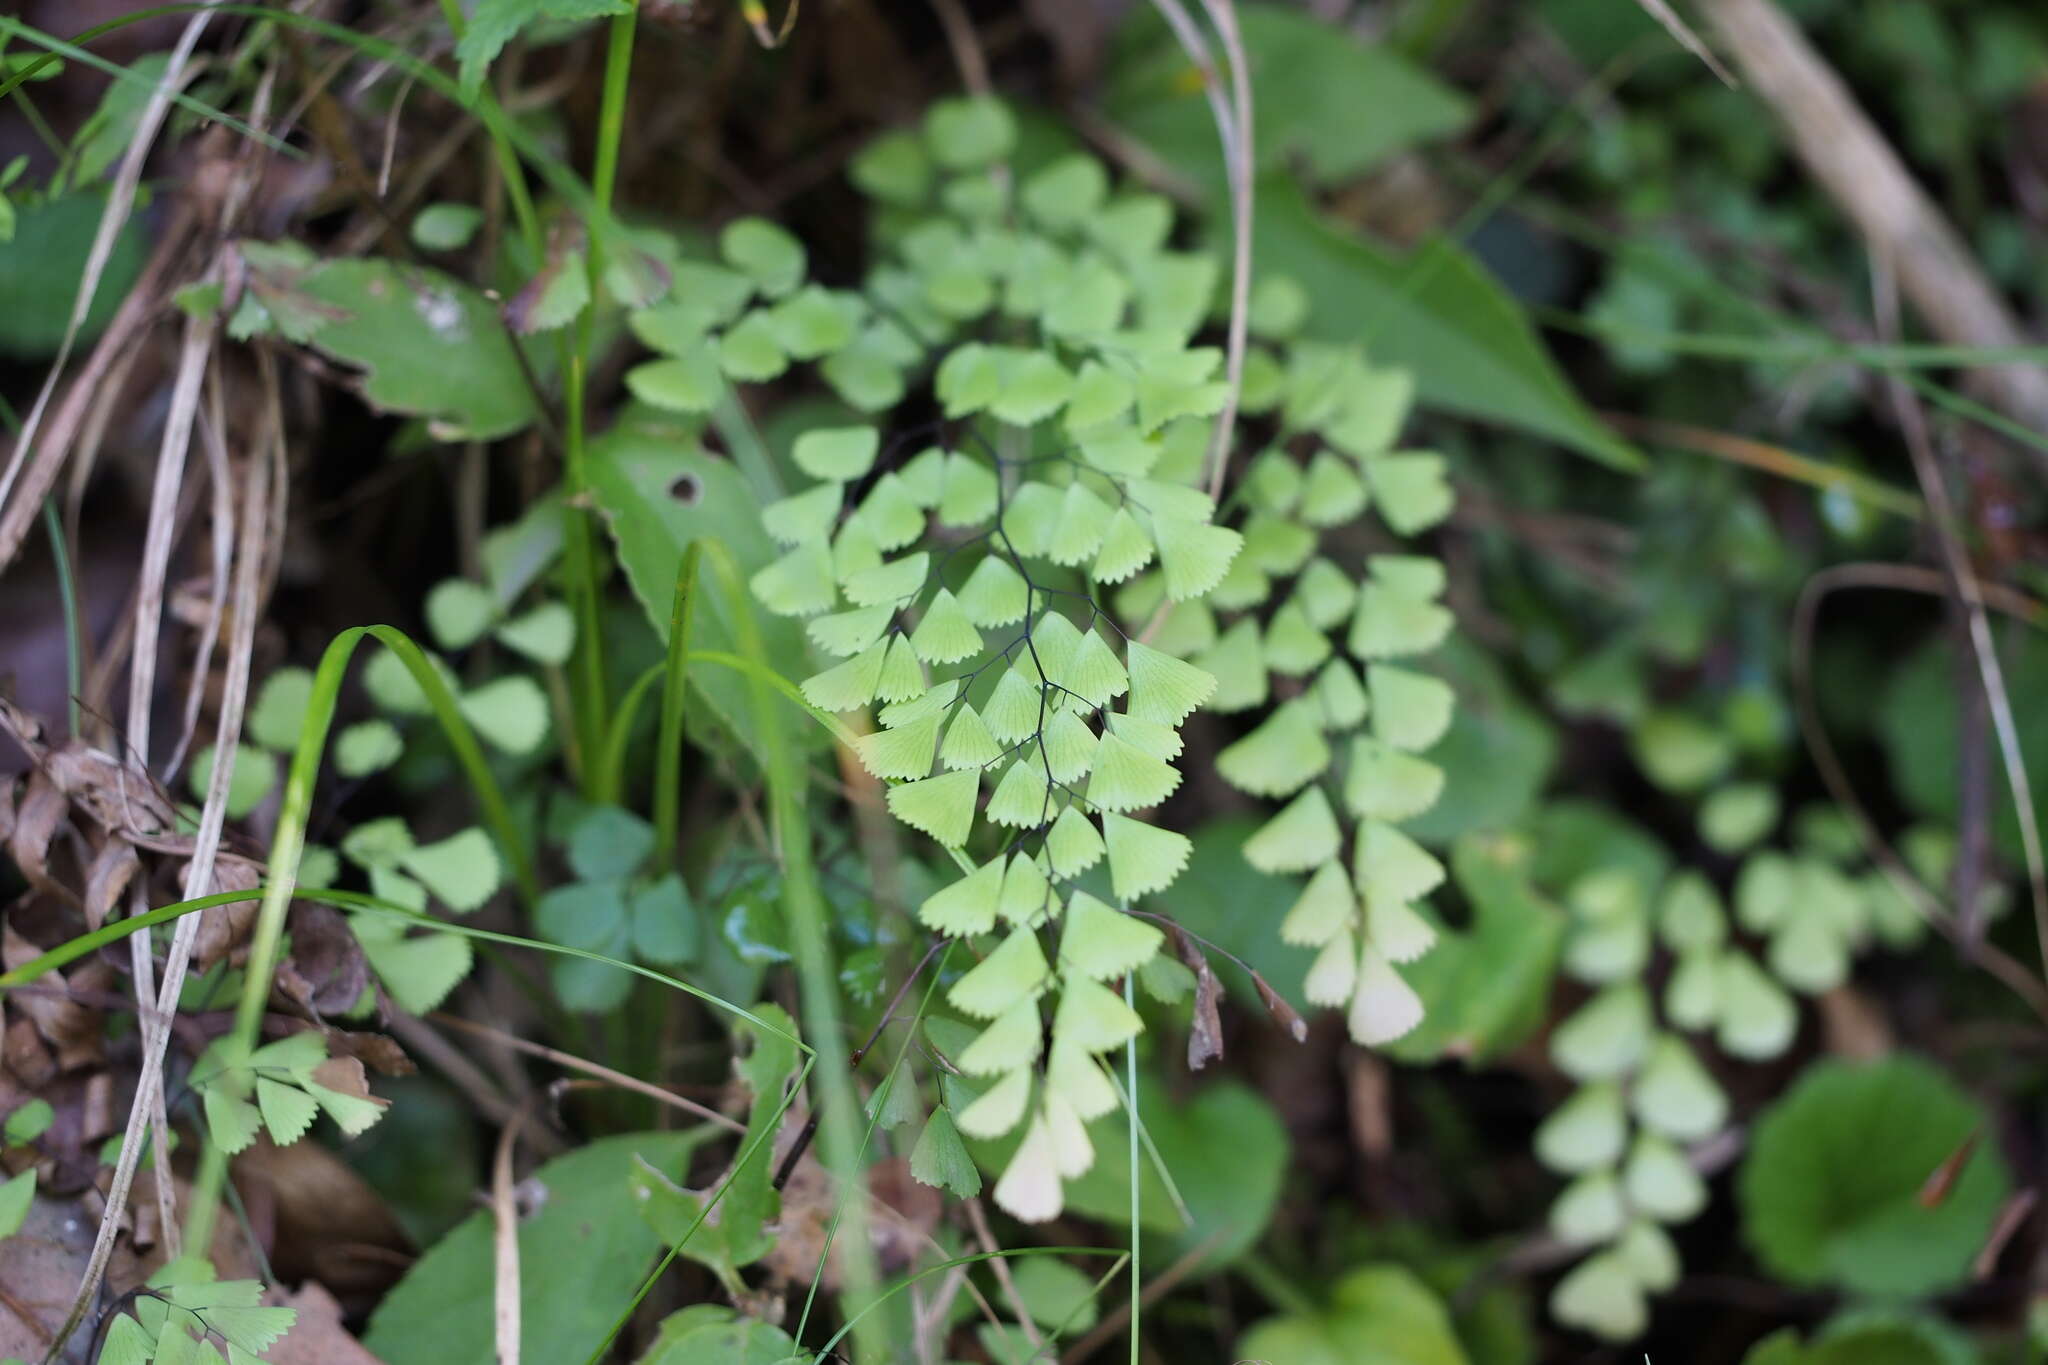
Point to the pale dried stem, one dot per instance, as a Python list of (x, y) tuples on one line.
[(978, 1221), (505, 1244), (1851, 160)]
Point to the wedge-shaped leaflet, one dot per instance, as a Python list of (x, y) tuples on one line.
[(1083, 521), (1013, 1040), (688, 381), (1125, 549), (1142, 858), (1388, 865), (1661, 1182), (1606, 1037), (1676, 1096), (1384, 1007), (1382, 783), (896, 581), (1333, 977), (1590, 1210), (1127, 778), (1587, 1132), (765, 253), (1030, 518), (1023, 798), (1390, 624), (1102, 942), (1193, 554), (995, 594), (1028, 898), (1757, 1018), (891, 514), (1092, 672), (1396, 930), (1411, 490), (1091, 1016), (1275, 547), (1409, 710), (1053, 641), (968, 906), (900, 753), (804, 516), (999, 1108), (1034, 387), (1073, 845), (969, 494), (1160, 741), (902, 679), (1285, 753), (798, 584), (1016, 708), (945, 635), (1339, 696), (1326, 908), (855, 549), (1293, 645), (931, 701), (1014, 972), (813, 322), (1332, 493), (1325, 593), (1077, 1078), (1100, 395), (749, 351), (851, 685), (941, 806), (1030, 1189), (849, 632), (1237, 661), (1068, 746), (1303, 835), (968, 742), (1164, 689)]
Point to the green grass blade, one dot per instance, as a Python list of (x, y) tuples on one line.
[(668, 753)]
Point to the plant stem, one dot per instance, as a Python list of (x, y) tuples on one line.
[(804, 904), (668, 752)]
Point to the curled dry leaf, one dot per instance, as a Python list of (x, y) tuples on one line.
[(1205, 1028), (107, 879)]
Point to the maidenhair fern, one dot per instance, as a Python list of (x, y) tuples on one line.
[(1017, 591), (1318, 653), (1645, 1099)]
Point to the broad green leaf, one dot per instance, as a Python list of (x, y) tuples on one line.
[(1384, 1314), (427, 345), (657, 498), (1435, 312), (417, 969), (1824, 1203), (711, 1334), (664, 921), (586, 1232)]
